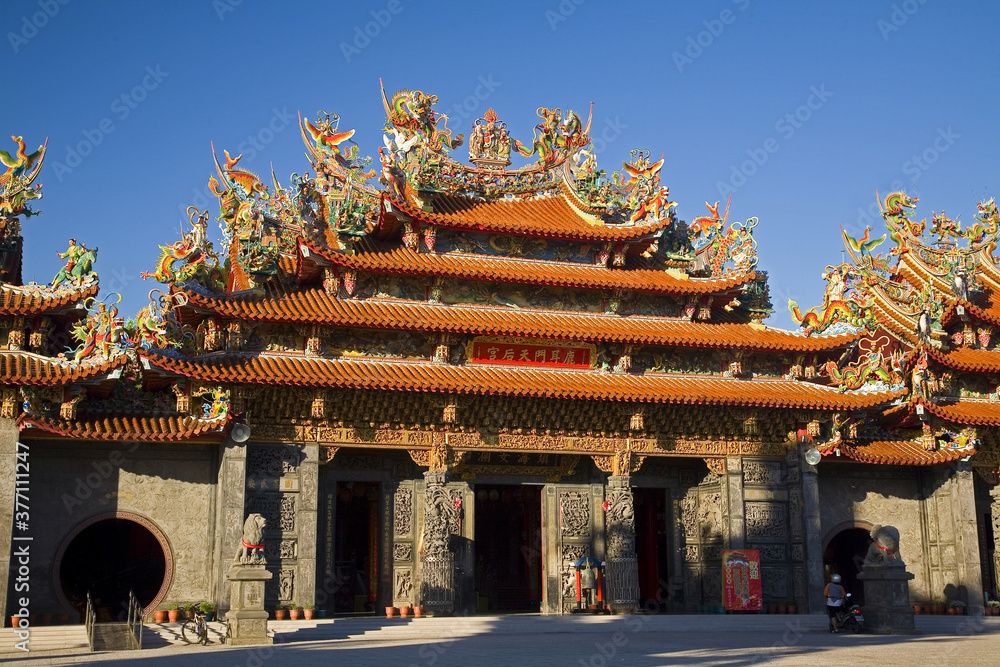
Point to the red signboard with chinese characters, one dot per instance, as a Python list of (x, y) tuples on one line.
[(499, 350), (741, 580)]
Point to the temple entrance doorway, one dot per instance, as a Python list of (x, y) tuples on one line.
[(508, 548), (844, 555), (109, 558), (355, 547), (651, 547)]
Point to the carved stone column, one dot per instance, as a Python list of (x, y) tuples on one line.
[(995, 518), (8, 460), (231, 493), (812, 524), (735, 529), (437, 562), (970, 570), (622, 569), (307, 524)]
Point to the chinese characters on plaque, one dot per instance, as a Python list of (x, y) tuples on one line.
[(495, 349)]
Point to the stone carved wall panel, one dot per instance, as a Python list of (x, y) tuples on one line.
[(402, 585), (402, 517), (763, 473), (574, 513), (765, 520)]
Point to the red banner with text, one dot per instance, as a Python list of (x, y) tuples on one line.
[(741, 580), (495, 349)]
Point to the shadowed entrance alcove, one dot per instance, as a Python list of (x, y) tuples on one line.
[(844, 555), (109, 555)]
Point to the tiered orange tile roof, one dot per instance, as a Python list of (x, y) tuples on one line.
[(966, 411), (895, 452), (380, 258), (316, 306), (512, 381), (549, 216), (38, 299), (28, 368), (968, 359), (145, 429)]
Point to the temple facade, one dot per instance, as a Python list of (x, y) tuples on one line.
[(444, 383)]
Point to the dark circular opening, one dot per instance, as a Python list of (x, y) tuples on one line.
[(108, 559)]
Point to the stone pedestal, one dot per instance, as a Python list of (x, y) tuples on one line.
[(887, 607), (246, 616)]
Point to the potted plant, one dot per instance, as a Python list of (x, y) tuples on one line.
[(160, 615), (321, 613), (208, 609), (937, 606), (792, 607), (189, 611), (279, 612), (293, 612), (918, 609), (307, 612), (956, 608), (173, 613), (62, 618)]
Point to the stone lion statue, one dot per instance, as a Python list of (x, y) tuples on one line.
[(251, 551), (884, 550)]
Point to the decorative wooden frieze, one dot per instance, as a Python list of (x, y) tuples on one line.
[(11, 402), (716, 466), (73, 398), (326, 453), (450, 415), (330, 281), (182, 397), (15, 337)]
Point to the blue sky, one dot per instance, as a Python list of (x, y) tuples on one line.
[(800, 110)]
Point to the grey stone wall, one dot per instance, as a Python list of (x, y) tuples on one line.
[(170, 485)]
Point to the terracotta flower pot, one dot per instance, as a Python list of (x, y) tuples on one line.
[(14, 620), (62, 619), (293, 614), (937, 609), (189, 614), (793, 609), (160, 615), (45, 619), (279, 614), (404, 611), (418, 611), (918, 609), (174, 615), (782, 608), (307, 614), (390, 612)]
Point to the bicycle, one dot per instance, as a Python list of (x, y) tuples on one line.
[(195, 631)]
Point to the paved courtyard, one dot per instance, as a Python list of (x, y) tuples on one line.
[(640, 641)]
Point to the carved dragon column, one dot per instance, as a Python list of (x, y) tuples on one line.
[(8, 459), (437, 562), (622, 569)]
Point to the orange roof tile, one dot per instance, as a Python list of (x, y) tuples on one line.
[(968, 359), (38, 299), (146, 429), (372, 256), (966, 411), (28, 368), (316, 306), (895, 452), (551, 216), (512, 381)]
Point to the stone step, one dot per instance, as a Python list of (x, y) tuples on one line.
[(46, 638)]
